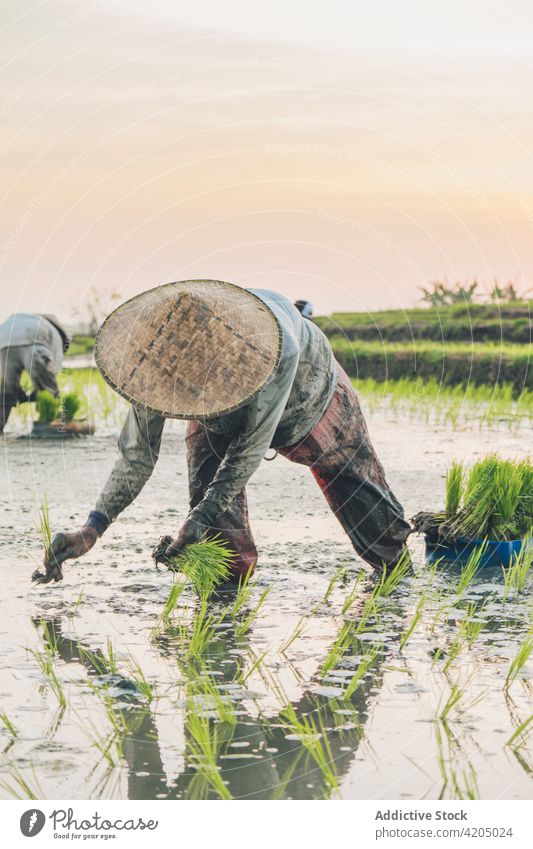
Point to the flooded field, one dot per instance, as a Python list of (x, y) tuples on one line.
[(327, 685)]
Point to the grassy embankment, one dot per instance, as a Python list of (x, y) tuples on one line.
[(467, 360), (476, 344)]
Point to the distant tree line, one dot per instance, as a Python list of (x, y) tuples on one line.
[(441, 294)]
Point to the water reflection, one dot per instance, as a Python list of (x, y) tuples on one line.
[(231, 748)]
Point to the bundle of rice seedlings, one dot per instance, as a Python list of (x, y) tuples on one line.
[(47, 406), (207, 564), (493, 499), (70, 406)]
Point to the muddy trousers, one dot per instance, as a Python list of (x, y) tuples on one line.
[(344, 463)]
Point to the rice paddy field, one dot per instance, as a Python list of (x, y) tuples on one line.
[(317, 679), (456, 346)]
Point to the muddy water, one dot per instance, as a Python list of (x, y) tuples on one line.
[(385, 741)]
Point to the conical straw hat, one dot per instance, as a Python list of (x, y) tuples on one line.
[(190, 350)]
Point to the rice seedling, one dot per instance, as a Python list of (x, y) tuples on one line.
[(244, 626), (243, 595), (296, 634), (484, 406), (341, 644), (473, 623), (521, 734), (455, 696), (164, 617), (101, 663), (364, 667), (44, 528), (390, 580), (470, 569), (96, 662), (470, 627), (137, 675), (519, 661), (110, 661), (407, 634), (202, 691), (76, 604), (337, 576), (195, 637), (207, 564), (454, 703), (353, 595), (6, 722), (313, 737), (257, 663), (516, 575), (47, 407)]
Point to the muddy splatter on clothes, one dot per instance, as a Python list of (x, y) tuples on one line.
[(343, 461)]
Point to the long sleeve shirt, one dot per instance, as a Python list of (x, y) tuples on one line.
[(28, 329), (283, 413)]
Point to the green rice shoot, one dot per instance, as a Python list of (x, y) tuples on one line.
[(44, 528), (70, 404), (47, 407), (206, 564)]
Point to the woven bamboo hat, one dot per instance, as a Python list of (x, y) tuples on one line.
[(190, 350)]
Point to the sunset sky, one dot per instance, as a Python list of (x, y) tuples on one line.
[(348, 152)]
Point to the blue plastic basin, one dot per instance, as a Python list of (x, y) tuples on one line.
[(497, 553)]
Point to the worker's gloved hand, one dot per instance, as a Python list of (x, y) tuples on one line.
[(23, 397), (192, 530), (64, 547), (196, 526)]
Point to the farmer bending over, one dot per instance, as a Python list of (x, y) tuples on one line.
[(32, 343), (251, 374)]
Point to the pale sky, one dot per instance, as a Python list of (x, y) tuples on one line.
[(348, 152)]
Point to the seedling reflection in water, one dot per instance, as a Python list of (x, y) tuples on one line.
[(205, 741), (521, 735), (4, 718), (45, 660), (364, 667), (520, 660), (313, 737), (22, 789), (296, 634)]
